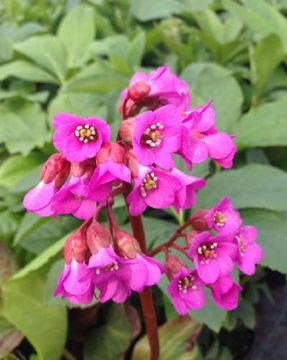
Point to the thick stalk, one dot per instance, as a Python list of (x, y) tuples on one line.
[(147, 302)]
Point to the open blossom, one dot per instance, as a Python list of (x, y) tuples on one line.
[(201, 140), (212, 255), (79, 138), (225, 293), (186, 291), (157, 135), (186, 197), (53, 175), (249, 252), (155, 188), (223, 217), (152, 90), (75, 282)]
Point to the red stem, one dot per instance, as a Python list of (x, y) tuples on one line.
[(168, 243), (147, 302)]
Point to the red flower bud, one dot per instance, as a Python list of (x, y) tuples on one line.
[(173, 265), (111, 151), (55, 168), (127, 245), (126, 130), (138, 91), (76, 247), (97, 236), (198, 220)]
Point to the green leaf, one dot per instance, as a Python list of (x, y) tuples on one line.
[(264, 126), (47, 52), (252, 186), (210, 315), (136, 50), (211, 81), (25, 70), (45, 232), (174, 337), (150, 10), (41, 260), (262, 64), (82, 104), (44, 326), (76, 32), (260, 17), (13, 169), (246, 313), (116, 331), (23, 127), (272, 230)]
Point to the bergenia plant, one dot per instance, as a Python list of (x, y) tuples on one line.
[(90, 171)]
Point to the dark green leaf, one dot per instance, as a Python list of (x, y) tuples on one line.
[(252, 186)]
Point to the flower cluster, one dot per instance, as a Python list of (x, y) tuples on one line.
[(90, 170)]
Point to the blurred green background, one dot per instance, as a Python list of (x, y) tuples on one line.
[(76, 56)]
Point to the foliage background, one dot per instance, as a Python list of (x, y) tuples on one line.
[(76, 56)]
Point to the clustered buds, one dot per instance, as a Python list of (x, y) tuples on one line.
[(90, 170)]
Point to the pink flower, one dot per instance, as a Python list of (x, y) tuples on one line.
[(186, 197), (186, 291), (54, 174), (157, 88), (225, 293), (75, 283), (106, 175), (157, 136), (79, 138), (201, 140), (72, 199), (222, 217), (155, 188), (249, 252), (212, 255)]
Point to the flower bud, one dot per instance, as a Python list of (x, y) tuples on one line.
[(127, 245), (76, 247), (83, 167), (111, 151), (97, 237), (198, 220), (173, 265), (126, 130), (57, 169), (189, 236), (139, 91)]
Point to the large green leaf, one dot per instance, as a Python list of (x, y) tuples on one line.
[(15, 168), (260, 17), (26, 70), (116, 330), (47, 52), (150, 10), (211, 81), (252, 186), (76, 32), (272, 230), (173, 337), (23, 127), (262, 63), (44, 326), (264, 126)]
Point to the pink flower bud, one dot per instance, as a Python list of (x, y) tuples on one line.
[(138, 91), (82, 168), (55, 166), (76, 247), (173, 265), (198, 220), (128, 245), (97, 237), (111, 151), (126, 130)]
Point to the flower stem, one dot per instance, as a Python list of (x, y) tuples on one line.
[(147, 302)]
